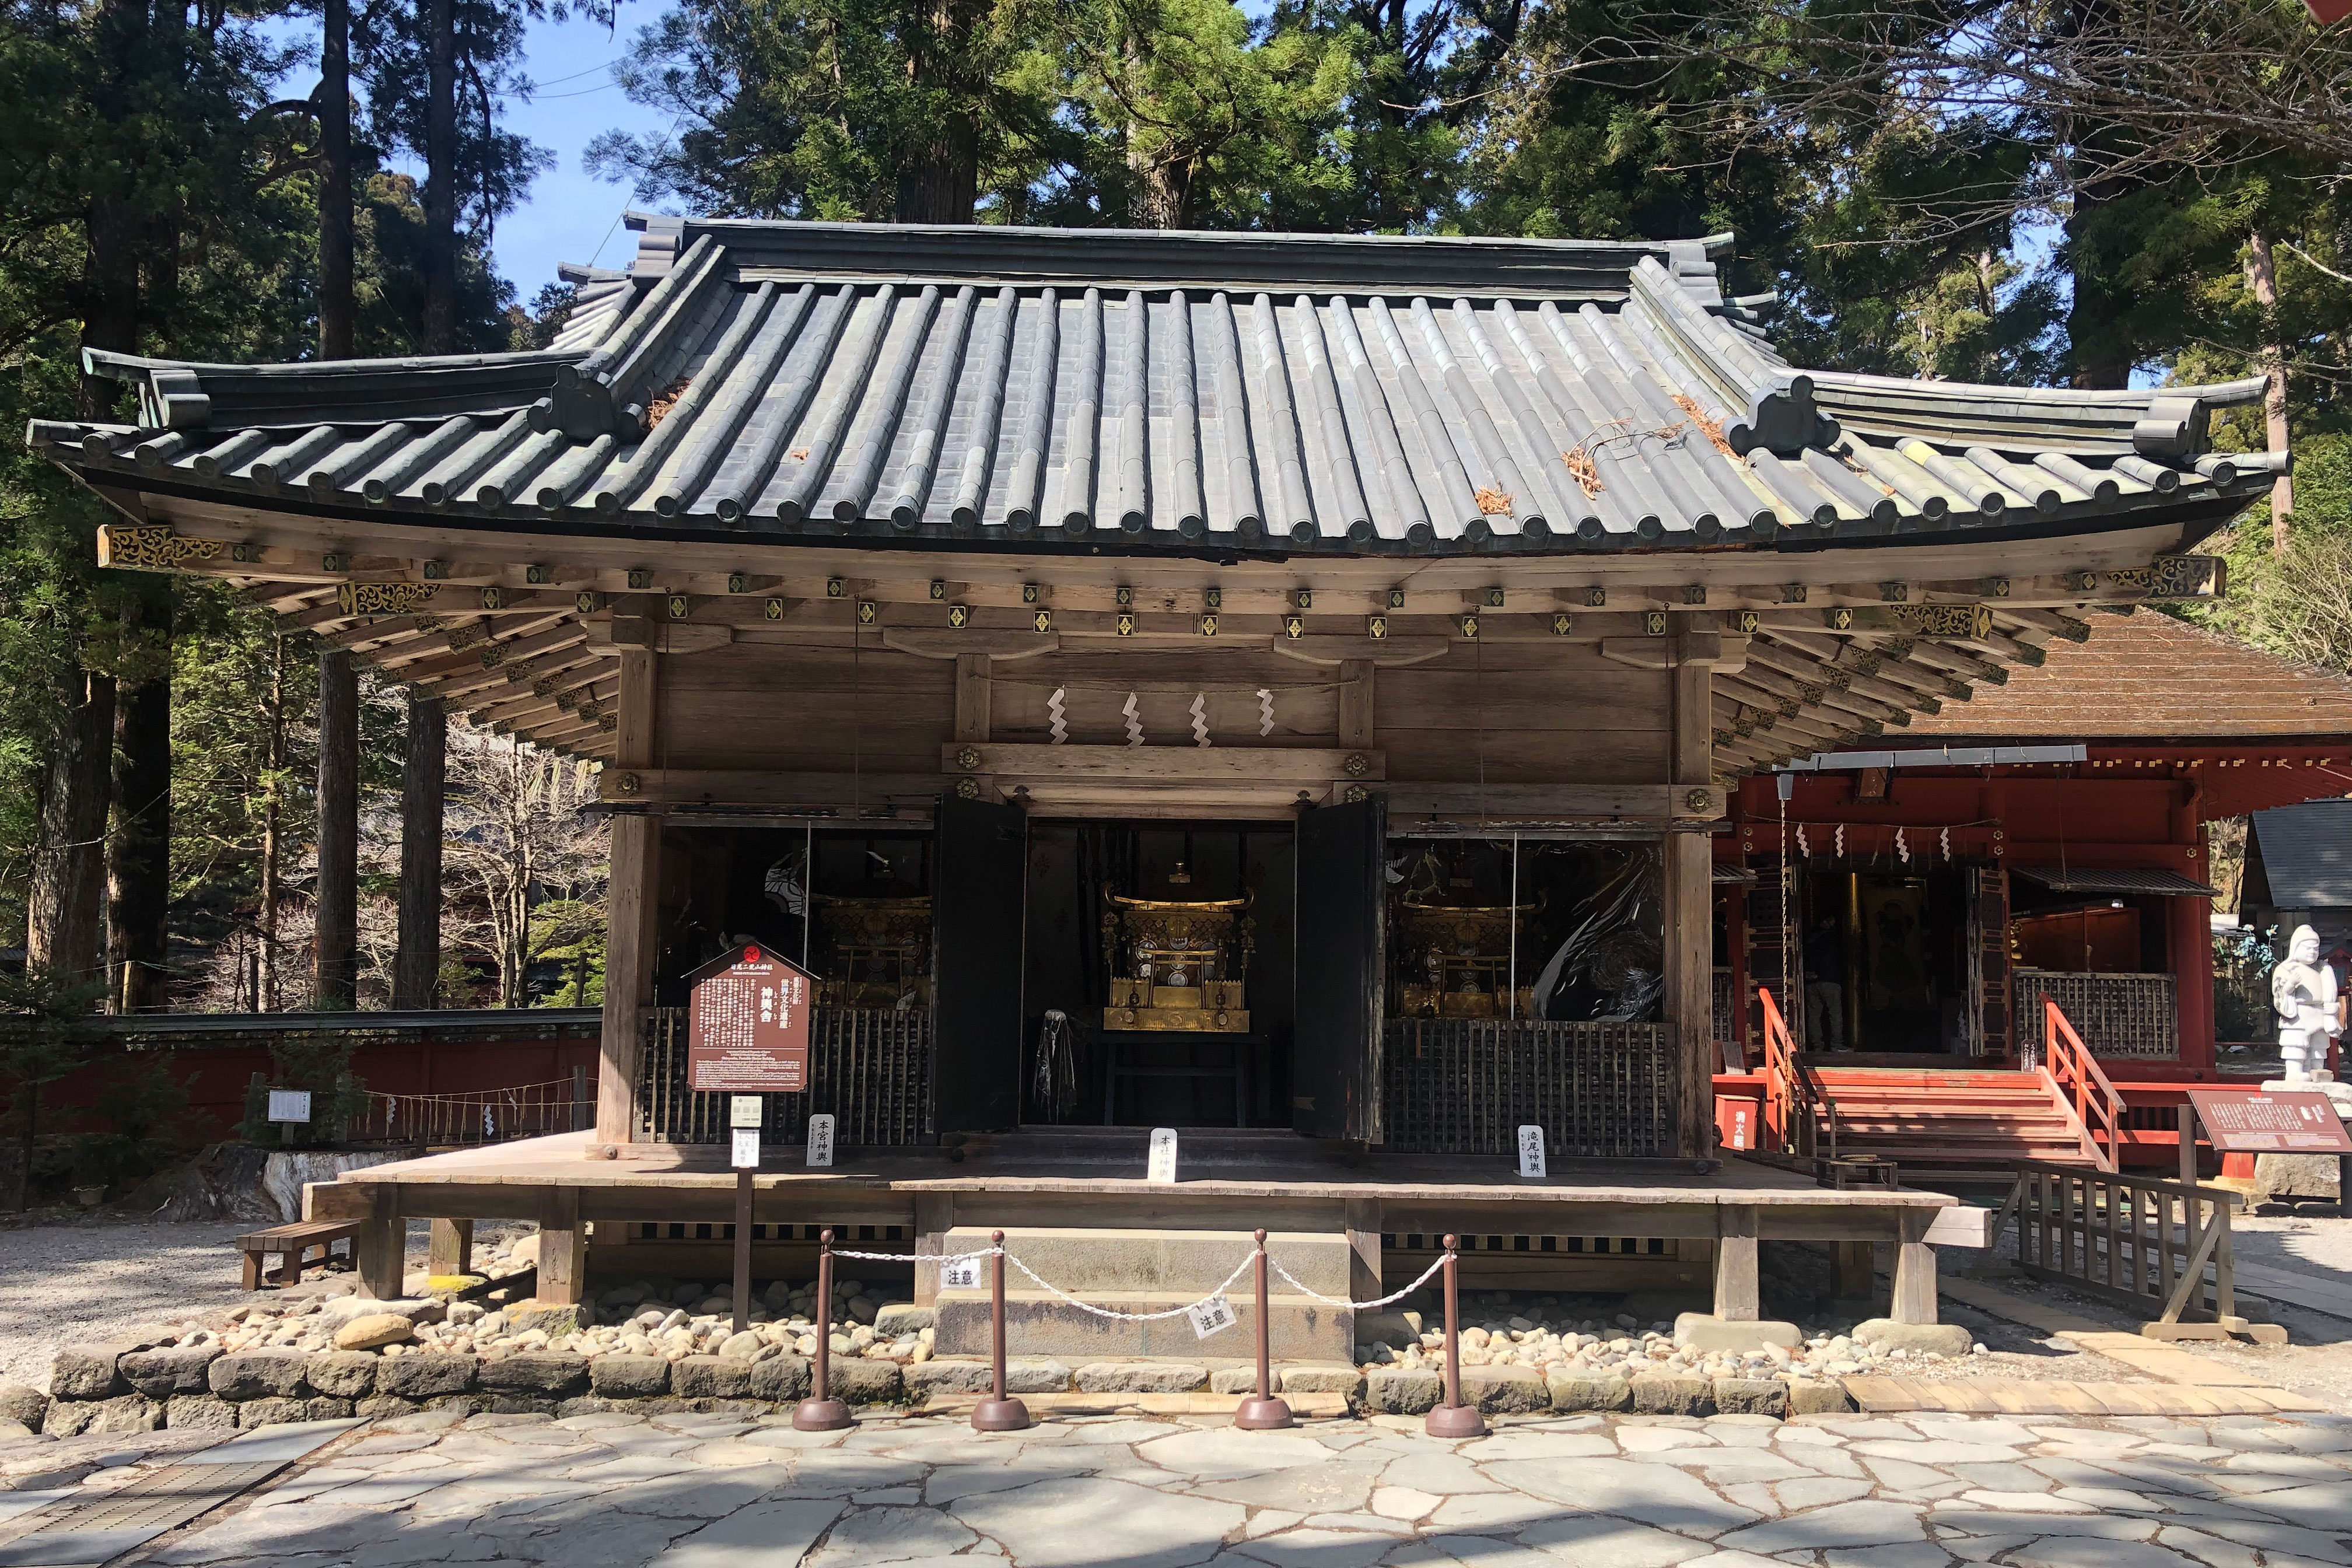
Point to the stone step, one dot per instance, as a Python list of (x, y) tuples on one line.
[(1146, 1271)]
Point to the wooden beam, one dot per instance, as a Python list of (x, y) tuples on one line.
[(1165, 764), (1410, 801)]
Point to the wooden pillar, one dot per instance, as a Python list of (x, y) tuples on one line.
[(562, 1252), (452, 1249), (1689, 998), (974, 693), (335, 948), (1356, 698), (417, 961), (1364, 1249), (631, 906), (380, 1251), (1857, 1271), (1915, 1271), (1737, 1297), (2190, 938)]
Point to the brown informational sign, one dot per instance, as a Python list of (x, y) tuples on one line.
[(748, 1027), (2250, 1121)]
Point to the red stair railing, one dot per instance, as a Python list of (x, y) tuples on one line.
[(2079, 1088)]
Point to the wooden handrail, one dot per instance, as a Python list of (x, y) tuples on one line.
[(2081, 1088), (1795, 1107)]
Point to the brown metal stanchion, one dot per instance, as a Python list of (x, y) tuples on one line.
[(1453, 1418), (820, 1412), (1264, 1412), (1001, 1412)]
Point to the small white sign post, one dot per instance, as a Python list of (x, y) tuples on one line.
[(1531, 1150), (289, 1105), (745, 1113), (1162, 1168), (820, 1140), (747, 1149)]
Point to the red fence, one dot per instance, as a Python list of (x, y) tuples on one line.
[(214, 1057)]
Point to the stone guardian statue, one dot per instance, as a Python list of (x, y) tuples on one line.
[(2303, 991)]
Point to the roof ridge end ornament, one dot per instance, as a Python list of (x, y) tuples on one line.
[(1783, 418), (2177, 425)]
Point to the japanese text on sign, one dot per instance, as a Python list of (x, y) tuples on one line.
[(289, 1105), (748, 1025), (1531, 1150), (1213, 1316), (1161, 1166), (820, 1139), (747, 1149), (2269, 1121)]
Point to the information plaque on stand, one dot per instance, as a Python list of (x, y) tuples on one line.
[(748, 1024)]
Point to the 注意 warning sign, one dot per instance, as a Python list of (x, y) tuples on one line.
[(2273, 1122), (748, 1025)]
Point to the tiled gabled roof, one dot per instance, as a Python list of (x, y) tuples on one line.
[(1001, 386)]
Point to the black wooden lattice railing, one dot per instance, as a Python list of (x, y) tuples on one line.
[(869, 1067), (1464, 1086)]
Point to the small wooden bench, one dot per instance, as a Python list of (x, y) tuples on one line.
[(292, 1245)]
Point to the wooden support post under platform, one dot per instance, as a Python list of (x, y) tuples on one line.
[(934, 1217), (1363, 1249), (1737, 1296), (563, 1247), (451, 1251), (380, 1251), (1914, 1270), (631, 909), (1689, 890), (1857, 1271)]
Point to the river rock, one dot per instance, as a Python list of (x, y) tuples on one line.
[(88, 1371), (374, 1332)]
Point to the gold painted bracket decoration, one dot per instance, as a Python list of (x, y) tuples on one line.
[(151, 548), (384, 598), (1973, 622)]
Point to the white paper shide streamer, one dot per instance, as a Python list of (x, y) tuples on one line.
[(1200, 720), (1134, 721), (1902, 847), (1266, 711), (1057, 716)]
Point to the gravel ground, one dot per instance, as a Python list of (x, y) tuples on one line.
[(85, 1279)]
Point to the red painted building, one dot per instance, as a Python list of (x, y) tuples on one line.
[(2047, 837)]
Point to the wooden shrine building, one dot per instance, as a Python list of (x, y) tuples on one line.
[(1269, 681)]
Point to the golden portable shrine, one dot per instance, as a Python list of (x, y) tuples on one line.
[(1183, 963), (1037, 548)]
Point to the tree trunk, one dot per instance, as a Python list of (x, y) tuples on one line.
[(441, 178), (335, 949), (265, 981), (416, 966), (336, 305), (2261, 277), (62, 903), (139, 856)]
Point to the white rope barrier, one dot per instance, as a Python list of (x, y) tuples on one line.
[(1050, 1287)]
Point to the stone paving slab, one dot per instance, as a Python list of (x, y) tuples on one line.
[(1913, 1489)]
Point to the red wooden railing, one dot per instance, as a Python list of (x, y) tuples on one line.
[(1796, 1110), (2080, 1087)]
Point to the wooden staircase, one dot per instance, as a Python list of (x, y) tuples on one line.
[(1943, 1127), (1951, 1126)]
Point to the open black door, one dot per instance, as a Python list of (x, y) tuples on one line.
[(1342, 930), (979, 880)]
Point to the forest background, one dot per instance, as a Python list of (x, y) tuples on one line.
[(2089, 193)]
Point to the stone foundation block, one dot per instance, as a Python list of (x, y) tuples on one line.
[(270, 1410), (1811, 1396), (588, 1404), (1941, 1339), (1141, 1377), (430, 1375), (523, 1404), (260, 1375), (712, 1377), (1403, 1391), (160, 1374), (199, 1412), (1037, 1375), (385, 1407), (1504, 1390), (546, 1373), (1664, 1393), (458, 1404), (1751, 1396), (1591, 1391), (344, 1374), (1705, 1332), (123, 1413), (856, 1381), (23, 1405), (927, 1378), (898, 1318), (88, 1371), (1344, 1380), (629, 1376), (780, 1380), (1238, 1380)]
